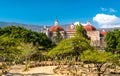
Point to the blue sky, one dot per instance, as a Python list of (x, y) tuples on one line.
[(44, 12)]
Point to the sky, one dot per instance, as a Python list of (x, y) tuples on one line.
[(101, 13)]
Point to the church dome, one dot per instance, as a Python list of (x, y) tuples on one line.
[(89, 27), (103, 33), (55, 27)]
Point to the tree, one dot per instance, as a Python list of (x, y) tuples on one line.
[(99, 58), (73, 46), (70, 47), (22, 34), (112, 40), (80, 32), (12, 36), (8, 49), (27, 51), (17, 43)]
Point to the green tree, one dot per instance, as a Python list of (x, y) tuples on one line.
[(12, 37), (99, 58), (112, 40), (72, 47), (8, 49), (27, 51), (22, 34), (80, 32)]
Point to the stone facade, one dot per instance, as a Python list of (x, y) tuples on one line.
[(94, 37)]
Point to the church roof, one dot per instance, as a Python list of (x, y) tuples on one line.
[(103, 33), (54, 28), (89, 27)]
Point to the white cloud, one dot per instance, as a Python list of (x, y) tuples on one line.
[(107, 21), (103, 9), (112, 10), (83, 24), (109, 26), (77, 23)]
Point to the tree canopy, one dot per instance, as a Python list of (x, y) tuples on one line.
[(21, 34), (72, 46), (14, 37), (80, 32), (113, 41), (94, 56)]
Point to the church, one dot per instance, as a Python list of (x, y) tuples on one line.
[(96, 37)]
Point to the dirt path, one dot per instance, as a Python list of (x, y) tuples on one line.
[(38, 71)]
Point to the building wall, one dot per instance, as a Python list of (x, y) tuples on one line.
[(95, 37), (70, 34)]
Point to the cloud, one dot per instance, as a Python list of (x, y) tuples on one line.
[(107, 21), (111, 10), (83, 24), (77, 23), (103, 9)]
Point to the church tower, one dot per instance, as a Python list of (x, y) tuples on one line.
[(46, 30)]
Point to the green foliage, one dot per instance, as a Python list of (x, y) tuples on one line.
[(27, 49), (17, 43), (72, 46), (22, 34), (97, 56), (80, 32), (113, 42), (8, 48)]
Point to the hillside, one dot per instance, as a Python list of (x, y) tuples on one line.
[(38, 28)]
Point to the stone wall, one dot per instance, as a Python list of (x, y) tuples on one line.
[(95, 37)]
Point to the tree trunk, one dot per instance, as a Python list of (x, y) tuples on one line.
[(99, 70), (99, 74), (26, 64), (99, 66), (76, 58)]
